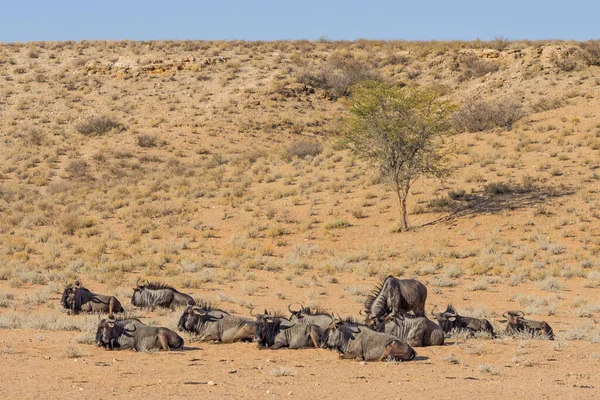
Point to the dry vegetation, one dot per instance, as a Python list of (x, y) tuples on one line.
[(216, 167)]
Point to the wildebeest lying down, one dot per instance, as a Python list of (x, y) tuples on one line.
[(151, 295), (396, 296), (518, 324), (216, 325), (126, 324), (418, 332), (272, 334), (354, 340), (449, 320), (138, 337), (307, 316), (76, 299)]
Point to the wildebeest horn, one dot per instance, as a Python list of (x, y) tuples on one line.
[(137, 283), (111, 317), (520, 314), (292, 311), (505, 314), (254, 315), (360, 312), (452, 313), (77, 284)]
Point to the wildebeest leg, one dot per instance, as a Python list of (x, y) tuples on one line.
[(245, 333), (277, 346), (387, 352), (314, 336), (164, 342)]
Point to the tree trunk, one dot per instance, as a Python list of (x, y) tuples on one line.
[(402, 195)]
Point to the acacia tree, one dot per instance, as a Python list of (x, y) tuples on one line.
[(401, 131)]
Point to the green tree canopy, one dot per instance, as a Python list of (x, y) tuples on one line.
[(400, 130)]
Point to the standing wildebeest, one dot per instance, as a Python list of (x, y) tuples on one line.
[(153, 295), (275, 332), (78, 299), (518, 324), (307, 316), (396, 296), (216, 325), (450, 319), (354, 340), (418, 332), (126, 324), (138, 337)]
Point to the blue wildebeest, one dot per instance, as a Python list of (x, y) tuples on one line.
[(354, 340), (418, 332), (395, 296), (449, 320), (76, 299), (152, 295), (518, 324), (216, 325), (274, 333), (138, 337)]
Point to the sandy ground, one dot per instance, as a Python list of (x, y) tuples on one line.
[(241, 371)]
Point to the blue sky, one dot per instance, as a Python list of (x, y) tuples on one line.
[(22, 21)]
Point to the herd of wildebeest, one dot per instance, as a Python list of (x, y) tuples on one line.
[(394, 323)]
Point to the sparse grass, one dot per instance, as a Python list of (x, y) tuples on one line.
[(73, 352), (281, 371), (551, 285), (489, 369)]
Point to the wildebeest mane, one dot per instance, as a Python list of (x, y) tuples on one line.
[(208, 306), (371, 297), (316, 311), (158, 286)]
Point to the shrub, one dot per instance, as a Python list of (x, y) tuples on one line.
[(77, 169), (441, 204), (471, 66), (338, 74), (496, 188), (476, 116), (146, 140), (591, 52), (97, 125), (302, 148)]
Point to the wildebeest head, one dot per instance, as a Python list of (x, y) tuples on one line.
[(337, 334), (266, 329), (190, 317), (377, 322), (445, 319), (513, 317), (69, 296), (107, 333), (296, 314), (136, 299)]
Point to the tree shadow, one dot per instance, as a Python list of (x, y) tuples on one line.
[(494, 200)]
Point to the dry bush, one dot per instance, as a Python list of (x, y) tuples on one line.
[(78, 170), (70, 223), (476, 116), (146, 140), (471, 66), (34, 137), (97, 125), (591, 52), (339, 73), (301, 149)]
